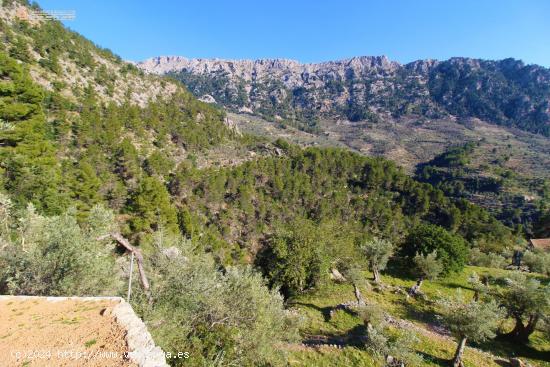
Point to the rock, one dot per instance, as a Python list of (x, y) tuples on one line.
[(207, 98), (231, 125), (360, 86), (522, 268), (336, 275), (394, 362), (171, 252), (516, 362), (246, 110), (280, 77)]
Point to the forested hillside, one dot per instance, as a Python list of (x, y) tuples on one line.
[(461, 172), (407, 113), (234, 229)]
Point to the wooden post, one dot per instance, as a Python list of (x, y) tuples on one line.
[(130, 277), (139, 258)]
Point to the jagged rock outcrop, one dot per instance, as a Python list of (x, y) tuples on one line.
[(505, 92)]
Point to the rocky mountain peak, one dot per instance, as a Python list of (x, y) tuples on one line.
[(244, 68), (367, 87)]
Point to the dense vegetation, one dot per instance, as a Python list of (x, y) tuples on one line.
[(100, 160), (93, 158), (196, 306), (494, 186)]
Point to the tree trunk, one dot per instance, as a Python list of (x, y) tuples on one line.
[(522, 332), (376, 274), (457, 360), (532, 325), (358, 295), (415, 289), (369, 327)]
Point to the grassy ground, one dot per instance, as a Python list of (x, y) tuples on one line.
[(433, 344)]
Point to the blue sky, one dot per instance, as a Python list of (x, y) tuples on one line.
[(316, 30)]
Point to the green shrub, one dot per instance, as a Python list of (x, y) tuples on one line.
[(54, 256), (224, 318), (488, 260), (297, 258), (537, 261), (451, 249)]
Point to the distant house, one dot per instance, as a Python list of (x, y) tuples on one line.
[(540, 244)]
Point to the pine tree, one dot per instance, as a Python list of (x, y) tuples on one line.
[(31, 170), (152, 209)]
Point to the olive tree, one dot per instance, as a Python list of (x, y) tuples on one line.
[(383, 342), (352, 274), (427, 267), (479, 285), (527, 301), (537, 261), (546, 326), (229, 317), (377, 251), (474, 321), (56, 256)]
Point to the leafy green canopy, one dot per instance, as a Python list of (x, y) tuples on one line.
[(298, 255), (54, 256), (84, 152), (329, 183), (476, 321), (451, 249)]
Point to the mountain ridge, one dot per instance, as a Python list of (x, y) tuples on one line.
[(505, 92), (150, 63)]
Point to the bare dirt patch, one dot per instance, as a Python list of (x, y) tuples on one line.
[(69, 332)]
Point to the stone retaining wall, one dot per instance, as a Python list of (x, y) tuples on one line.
[(141, 348)]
